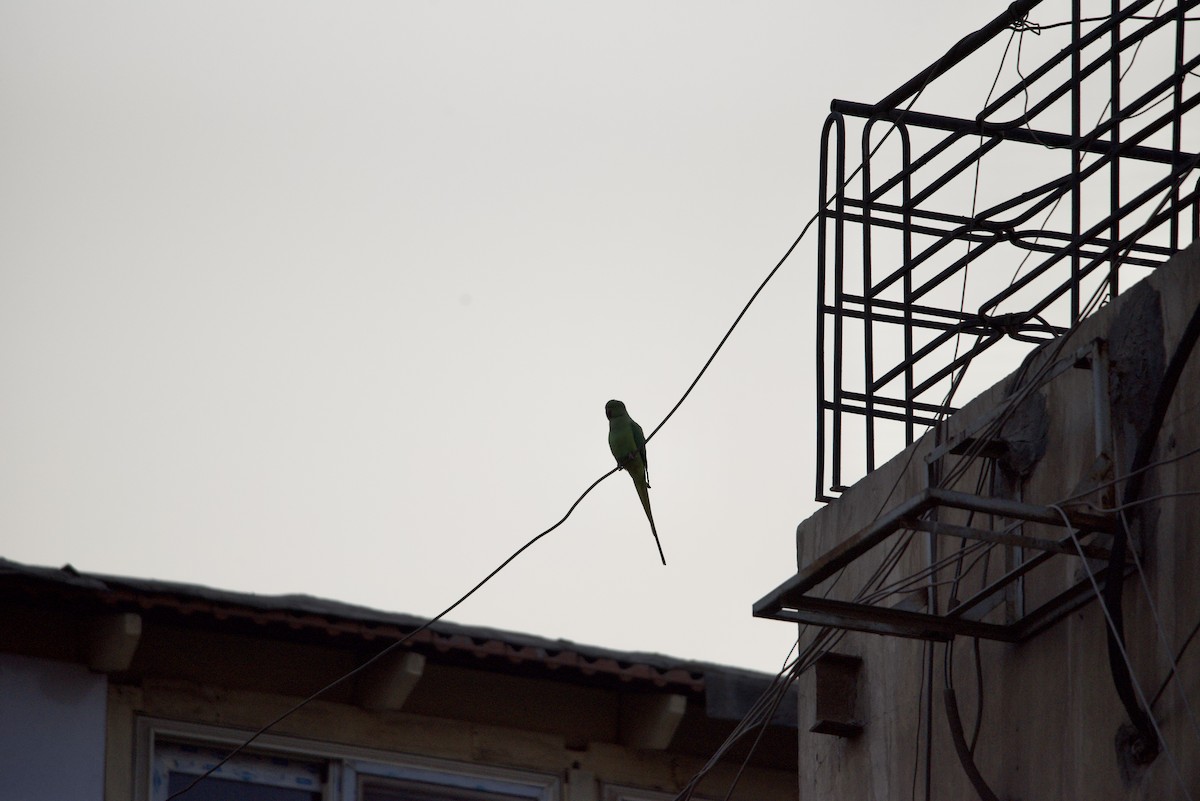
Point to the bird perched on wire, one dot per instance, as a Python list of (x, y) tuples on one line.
[(628, 446)]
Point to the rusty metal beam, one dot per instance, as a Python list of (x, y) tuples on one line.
[(791, 600), (882, 620), (1002, 538), (1017, 510)]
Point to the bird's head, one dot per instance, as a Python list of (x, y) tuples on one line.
[(614, 408)]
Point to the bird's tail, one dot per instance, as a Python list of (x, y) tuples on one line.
[(639, 482)]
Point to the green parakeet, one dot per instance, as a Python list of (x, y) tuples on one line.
[(628, 446)]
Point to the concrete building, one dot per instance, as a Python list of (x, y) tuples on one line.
[(127, 690), (1008, 607), (974, 560)]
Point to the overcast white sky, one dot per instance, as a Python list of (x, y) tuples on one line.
[(329, 297)]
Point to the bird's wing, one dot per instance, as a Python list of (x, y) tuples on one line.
[(639, 439)]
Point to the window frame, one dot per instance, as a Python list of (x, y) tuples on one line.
[(348, 767), (627, 792)]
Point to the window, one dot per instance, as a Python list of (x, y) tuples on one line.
[(382, 790), (173, 755), (246, 777)]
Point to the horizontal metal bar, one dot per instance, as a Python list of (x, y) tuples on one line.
[(1002, 538), (899, 417), (965, 608), (900, 516), (1127, 209), (1030, 136), (849, 549), (932, 408), (883, 620), (1018, 510), (895, 319), (982, 344), (1057, 608), (900, 306), (961, 49), (1051, 63)]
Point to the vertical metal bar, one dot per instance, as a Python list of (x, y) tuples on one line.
[(839, 270), (929, 649), (1076, 193), (1196, 213), (1114, 166), (1101, 419), (1014, 557), (867, 292), (906, 255), (1177, 122), (834, 124), (822, 223)]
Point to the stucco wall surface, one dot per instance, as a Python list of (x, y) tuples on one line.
[(52, 724), (1052, 724)]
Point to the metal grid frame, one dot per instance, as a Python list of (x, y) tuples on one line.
[(882, 299)]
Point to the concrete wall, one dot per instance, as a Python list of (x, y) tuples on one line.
[(1051, 718), (52, 726)]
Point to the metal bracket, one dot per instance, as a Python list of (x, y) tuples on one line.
[(798, 599)]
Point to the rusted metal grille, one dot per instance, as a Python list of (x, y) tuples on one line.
[(1088, 151)]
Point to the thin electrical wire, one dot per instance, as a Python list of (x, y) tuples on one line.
[(920, 721), (763, 284), (1166, 96), (741, 729), (917, 580), (1054, 350), (1126, 476), (826, 638), (1018, 397), (1093, 302), (738, 319), (1111, 598), (763, 707), (1132, 58), (1036, 29), (1025, 92), (962, 302), (986, 475), (520, 550), (915, 585), (1107, 106), (762, 727), (1175, 663), (1141, 501), (897, 551), (956, 381), (391, 647), (1012, 402), (979, 696), (1124, 652), (1160, 628)]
